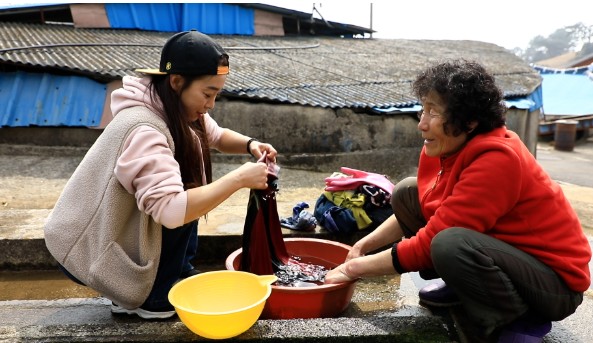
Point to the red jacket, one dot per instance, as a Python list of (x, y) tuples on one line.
[(495, 186)]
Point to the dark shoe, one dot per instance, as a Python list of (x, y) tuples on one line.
[(525, 330), (438, 294), (160, 313), (188, 273)]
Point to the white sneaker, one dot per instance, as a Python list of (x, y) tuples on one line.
[(142, 313)]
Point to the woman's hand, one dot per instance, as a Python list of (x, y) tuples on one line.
[(252, 175), (344, 272), (364, 266), (257, 149), (354, 252), (338, 275)]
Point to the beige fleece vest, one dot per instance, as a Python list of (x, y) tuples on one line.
[(96, 230)]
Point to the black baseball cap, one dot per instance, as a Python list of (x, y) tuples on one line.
[(190, 53)]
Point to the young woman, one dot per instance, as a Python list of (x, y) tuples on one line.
[(481, 214), (124, 220)]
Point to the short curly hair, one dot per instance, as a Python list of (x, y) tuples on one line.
[(469, 93)]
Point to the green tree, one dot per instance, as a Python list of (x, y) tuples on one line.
[(537, 49), (563, 40), (581, 33)]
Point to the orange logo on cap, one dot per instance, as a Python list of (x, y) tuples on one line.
[(168, 66)]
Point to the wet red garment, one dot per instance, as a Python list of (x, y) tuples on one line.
[(263, 245)]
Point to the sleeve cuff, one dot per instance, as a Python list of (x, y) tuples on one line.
[(173, 214), (395, 260)]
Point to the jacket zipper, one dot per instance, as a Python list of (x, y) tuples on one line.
[(438, 178), (436, 181)]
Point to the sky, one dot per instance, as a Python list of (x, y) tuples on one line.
[(507, 23)]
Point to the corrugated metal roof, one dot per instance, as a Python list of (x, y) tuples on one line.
[(209, 18), (30, 99), (313, 71)]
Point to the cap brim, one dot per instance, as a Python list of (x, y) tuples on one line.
[(150, 71)]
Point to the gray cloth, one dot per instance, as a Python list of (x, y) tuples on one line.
[(96, 230)]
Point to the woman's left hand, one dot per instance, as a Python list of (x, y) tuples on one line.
[(257, 149), (363, 266)]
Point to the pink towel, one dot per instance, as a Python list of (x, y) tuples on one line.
[(355, 178)]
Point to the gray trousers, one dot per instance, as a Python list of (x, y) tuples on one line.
[(495, 281)]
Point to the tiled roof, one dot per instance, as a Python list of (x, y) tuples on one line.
[(314, 71), (571, 59), (561, 61)]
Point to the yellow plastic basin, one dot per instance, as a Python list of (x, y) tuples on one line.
[(221, 304)]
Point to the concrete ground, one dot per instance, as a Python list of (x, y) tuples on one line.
[(382, 309)]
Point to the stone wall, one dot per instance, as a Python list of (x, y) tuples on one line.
[(308, 138), (323, 139)]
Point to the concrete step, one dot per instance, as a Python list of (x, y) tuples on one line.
[(90, 320), (390, 316)]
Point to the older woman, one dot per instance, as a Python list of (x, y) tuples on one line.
[(481, 214)]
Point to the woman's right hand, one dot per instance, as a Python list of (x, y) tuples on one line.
[(253, 175), (203, 199), (354, 252), (338, 275)]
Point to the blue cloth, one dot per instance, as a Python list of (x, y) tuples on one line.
[(337, 219), (334, 218), (301, 220)]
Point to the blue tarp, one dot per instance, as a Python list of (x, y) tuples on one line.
[(404, 109), (30, 99), (567, 94), (209, 18), (522, 104), (531, 103)]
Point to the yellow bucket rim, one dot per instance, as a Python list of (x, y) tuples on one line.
[(265, 280)]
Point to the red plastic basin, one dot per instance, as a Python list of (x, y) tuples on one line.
[(324, 301)]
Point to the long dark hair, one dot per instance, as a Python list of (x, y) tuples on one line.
[(172, 111)]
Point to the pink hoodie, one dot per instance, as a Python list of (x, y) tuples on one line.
[(147, 167)]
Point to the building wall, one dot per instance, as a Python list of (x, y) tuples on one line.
[(268, 24), (309, 138), (107, 116), (323, 139), (526, 125), (89, 15)]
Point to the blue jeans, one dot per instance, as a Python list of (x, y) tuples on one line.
[(171, 263), (178, 248)]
